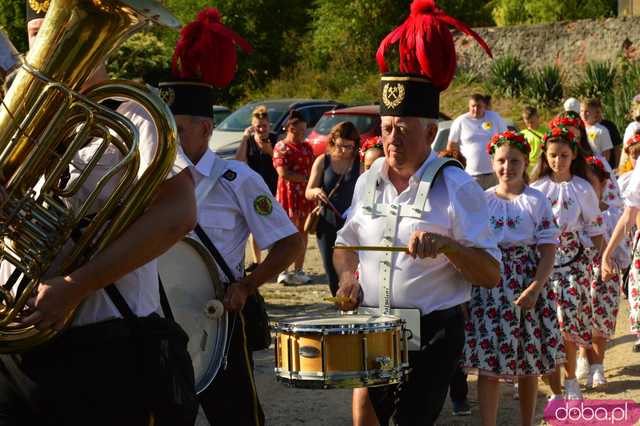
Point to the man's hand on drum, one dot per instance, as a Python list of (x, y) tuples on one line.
[(348, 295), (426, 244), (236, 296)]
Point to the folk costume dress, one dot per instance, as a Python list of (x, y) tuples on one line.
[(576, 210), (631, 197), (501, 339), (296, 158)]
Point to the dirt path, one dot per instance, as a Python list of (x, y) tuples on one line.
[(287, 406)]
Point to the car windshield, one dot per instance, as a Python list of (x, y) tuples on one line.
[(241, 119), (363, 123)]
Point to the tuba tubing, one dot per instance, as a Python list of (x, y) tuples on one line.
[(44, 121)]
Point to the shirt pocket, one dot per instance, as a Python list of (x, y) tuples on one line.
[(216, 220)]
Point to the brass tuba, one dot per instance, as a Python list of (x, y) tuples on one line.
[(44, 122)]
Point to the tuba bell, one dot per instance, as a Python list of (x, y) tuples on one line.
[(44, 122)]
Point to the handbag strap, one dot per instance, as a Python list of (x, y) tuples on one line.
[(215, 253)]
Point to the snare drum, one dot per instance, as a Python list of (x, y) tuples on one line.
[(345, 351)]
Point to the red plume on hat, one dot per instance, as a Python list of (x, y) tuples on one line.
[(426, 44), (206, 50)]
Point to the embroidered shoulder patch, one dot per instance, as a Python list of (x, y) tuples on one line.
[(230, 175), (263, 205)]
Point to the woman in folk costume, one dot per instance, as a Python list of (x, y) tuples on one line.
[(427, 67), (512, 332), (630, 183), (590, 359), (562, 177), (605, 295)]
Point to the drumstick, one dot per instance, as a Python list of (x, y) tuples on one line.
[(337, 299), (372, 248)]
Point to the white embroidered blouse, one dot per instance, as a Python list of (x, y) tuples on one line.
[(525, 220)]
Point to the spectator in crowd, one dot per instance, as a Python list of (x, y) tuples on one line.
[(256, 149), (631, 129), (597, 135), (572, 104), (292, 159), (332, 181), (470, 134), (533, 133), (371, 153), (616, 139)]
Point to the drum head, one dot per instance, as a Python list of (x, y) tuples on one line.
[(190, 280), (339, 323)]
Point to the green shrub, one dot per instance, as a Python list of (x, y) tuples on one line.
[(616, 104), (544, 87), (597, 81), (507, 77), (141, 56)]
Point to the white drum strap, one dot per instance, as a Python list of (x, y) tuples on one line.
[(393, 214), (217, 169)]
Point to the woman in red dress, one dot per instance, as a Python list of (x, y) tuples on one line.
[(292, 158)]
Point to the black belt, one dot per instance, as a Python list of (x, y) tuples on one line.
[(443, 315)]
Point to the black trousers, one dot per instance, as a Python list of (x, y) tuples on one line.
[(106, 381), (231, 398), (326, 235), (419, 400), (458, 387)]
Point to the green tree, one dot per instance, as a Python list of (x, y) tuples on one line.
[(513, 12), (12, 19), (141, 56)]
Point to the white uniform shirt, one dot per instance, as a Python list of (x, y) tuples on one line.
[(599, 138), (459, 210), (525, 220), (238, 204), (473, 135), (575, 205), (139, 287)]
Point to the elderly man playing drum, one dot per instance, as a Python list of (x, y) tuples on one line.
[(233, 202), (419, 234)]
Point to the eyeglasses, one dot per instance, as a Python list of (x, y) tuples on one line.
[(345, 147), (261, 115)]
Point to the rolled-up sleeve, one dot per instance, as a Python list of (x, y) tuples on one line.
[(470, 219)]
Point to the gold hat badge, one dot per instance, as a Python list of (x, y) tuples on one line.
[(168, 95), (39, 6), (392, 95)]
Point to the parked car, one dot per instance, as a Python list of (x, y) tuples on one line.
[(220, 113), (366, 118), (228, 134)]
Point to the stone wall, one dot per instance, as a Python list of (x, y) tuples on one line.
[(567, 44)]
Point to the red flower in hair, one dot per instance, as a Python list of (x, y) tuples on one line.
[(426, 44), (634, 140), (560, 132), (596, 162), (514, 139)]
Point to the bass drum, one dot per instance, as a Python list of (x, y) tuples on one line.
[(190, 279)]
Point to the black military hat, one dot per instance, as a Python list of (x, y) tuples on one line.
[(36, 9), (408, 95), (188, 97)]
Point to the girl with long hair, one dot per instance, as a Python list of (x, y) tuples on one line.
[(562, 176), (512, 332)]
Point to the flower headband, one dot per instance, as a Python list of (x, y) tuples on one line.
[(371, 143), (634, 140), (560, 132), (512, 138), (597, 163), (566, 122)]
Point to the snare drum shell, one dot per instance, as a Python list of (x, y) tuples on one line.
[(351, 358)]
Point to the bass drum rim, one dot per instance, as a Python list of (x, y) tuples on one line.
[(220, 343)]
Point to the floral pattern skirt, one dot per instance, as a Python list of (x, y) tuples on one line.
[(634, 289), (571, 284), (605, 299), (501, 339)]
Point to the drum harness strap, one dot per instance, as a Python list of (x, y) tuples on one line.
[(393, 213)]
